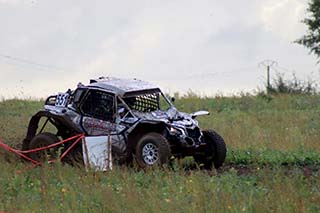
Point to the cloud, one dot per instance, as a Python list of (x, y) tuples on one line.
[(164, 37), (283, 18), (177, 44), (10, 2)]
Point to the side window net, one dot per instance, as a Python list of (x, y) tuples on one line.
[(144, 103), (77, 97), (99, 105)]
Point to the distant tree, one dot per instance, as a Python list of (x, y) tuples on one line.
[(312, 38)]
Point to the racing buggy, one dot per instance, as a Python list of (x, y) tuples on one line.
[(141, 123)]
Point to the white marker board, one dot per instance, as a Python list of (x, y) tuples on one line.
[(97, 153)]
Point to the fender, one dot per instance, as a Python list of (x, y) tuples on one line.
[(60, 122), (143, 127)]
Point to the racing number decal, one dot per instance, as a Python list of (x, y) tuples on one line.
[(62, 99)]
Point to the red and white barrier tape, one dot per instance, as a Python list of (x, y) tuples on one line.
[(37, 163)]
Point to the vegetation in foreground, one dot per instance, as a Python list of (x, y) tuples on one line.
[(121, 190), (277, 136)]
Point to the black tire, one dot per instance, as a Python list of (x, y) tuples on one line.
[(152, 149), (118, 157), (216, 152), (42, 140)]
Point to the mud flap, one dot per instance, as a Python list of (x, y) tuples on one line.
[(97, 153)]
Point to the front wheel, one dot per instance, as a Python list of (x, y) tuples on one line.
[(215, 153), (152, 149)]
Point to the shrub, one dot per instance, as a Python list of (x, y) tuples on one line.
[(280, 85)]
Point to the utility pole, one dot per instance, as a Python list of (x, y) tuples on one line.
[(268, 64)]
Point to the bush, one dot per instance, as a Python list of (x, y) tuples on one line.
[(294, 85)]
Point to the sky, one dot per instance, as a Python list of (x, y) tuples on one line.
[(207, 46)]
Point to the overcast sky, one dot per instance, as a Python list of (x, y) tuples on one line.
[(205, 45)]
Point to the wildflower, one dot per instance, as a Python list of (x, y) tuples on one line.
[(229, 207), (63, 190), (258, 168), (167, 200), (243, 209)]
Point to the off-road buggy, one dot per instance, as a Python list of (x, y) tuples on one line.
[(140, 121)]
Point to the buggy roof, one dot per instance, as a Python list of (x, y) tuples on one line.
[(124, 87)]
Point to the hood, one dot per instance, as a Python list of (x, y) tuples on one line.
[(172, 117)]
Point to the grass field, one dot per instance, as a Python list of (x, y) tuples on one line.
[(272, 165)]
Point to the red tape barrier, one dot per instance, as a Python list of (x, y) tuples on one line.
[(37, 163)]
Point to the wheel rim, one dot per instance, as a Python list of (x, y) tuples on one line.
[(150, 153)]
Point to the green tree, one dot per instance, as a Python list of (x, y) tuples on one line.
[(312, 38)]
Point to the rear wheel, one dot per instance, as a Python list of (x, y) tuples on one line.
[(216, 151), (43, 140), (152, 149)]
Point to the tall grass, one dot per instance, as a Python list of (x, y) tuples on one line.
[(14, 119), (260, 130), (283, 122), (121, 190)]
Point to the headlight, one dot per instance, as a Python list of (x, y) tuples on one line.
[(175, 131)]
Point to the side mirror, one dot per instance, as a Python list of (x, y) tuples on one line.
[(199, 113), (173, 99)]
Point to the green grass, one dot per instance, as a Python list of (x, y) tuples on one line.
[(288, 123), (69, 189), (277, 136), (14, 119)]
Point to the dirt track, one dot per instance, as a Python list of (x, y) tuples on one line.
[(308, 170), (241, 169), (249, 169)]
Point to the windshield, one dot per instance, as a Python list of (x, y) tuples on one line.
[(148, 102)]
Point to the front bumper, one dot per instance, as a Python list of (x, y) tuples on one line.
[(187, 142)]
